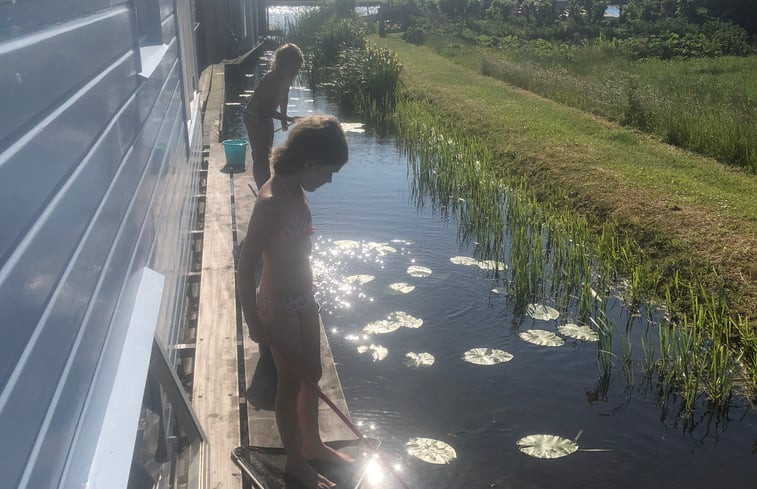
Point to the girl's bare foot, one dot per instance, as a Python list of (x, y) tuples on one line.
[(306, 476), (324, 453)]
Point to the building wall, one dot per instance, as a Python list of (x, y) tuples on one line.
[(229, 28), (98, 176)]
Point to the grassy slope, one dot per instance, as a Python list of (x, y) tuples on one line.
[(680, 206)]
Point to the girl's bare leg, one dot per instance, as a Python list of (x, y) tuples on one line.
[(260, 134), (312, 444), (286, 339)]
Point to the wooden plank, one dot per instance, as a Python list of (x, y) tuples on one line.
[(332, 427), (260, 394), (215, 391), (204, 86), (213, 114), (244, 197)]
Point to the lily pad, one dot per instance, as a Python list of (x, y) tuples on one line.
[(355, 127), (595, 295), (418, 271), (419, 359), (431, 451), (378, 352), (393, 322), (491, 265), (486, 356), (382, 248), (359, 279), (400, 288), (381, 327), (541, 312), (406, 320), (541, 337), (546, 446), (346, 244), (582, 332), (464, 260)]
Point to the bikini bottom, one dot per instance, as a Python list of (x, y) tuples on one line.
[(292, 305)]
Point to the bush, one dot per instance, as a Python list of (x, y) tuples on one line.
[(414, 35), (366, 78), (334, 36), (722, 41)]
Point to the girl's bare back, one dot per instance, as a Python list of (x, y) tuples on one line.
[(268, 94)]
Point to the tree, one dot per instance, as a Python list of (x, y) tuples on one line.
[(741, 12), (542, 12), (457, 9), (500, 9), (592, 11)]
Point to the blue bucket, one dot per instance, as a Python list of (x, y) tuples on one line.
[(235, 150)]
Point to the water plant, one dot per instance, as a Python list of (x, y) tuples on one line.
[(366, 79)]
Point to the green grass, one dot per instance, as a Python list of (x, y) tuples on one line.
[(530, 127), (706, 105)]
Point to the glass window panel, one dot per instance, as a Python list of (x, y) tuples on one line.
[(170, 450)]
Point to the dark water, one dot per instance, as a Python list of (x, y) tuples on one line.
[(628, 437)]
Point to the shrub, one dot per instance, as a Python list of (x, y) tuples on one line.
[(414, 35), (334, 36), (366, 78)]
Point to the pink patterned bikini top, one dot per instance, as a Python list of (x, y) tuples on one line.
[(300, 224)]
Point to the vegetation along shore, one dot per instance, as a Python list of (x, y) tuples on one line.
[(634, 165)]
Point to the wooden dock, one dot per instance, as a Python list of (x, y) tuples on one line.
[(227, 366)]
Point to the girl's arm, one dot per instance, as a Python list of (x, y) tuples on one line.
[(260, 229), (266, 99), (283, 105)]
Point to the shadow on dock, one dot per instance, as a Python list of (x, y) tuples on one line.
[(261, 393)]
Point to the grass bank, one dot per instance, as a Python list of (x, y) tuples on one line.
[(690, 214), (706, 105)]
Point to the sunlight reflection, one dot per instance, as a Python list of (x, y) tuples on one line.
[(373, 473)]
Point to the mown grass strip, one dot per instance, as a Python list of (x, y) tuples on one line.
[(705, 105), (688, 213)]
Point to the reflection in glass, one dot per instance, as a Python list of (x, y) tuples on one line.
[(170, 451)]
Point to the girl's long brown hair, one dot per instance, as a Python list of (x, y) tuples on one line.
[(317, 139)]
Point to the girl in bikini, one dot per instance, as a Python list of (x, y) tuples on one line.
[(281, 312), (272, 92)]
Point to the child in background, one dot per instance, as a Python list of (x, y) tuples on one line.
[(282, 312), (271, 92)]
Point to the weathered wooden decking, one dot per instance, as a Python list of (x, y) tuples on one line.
[(224, 354)]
